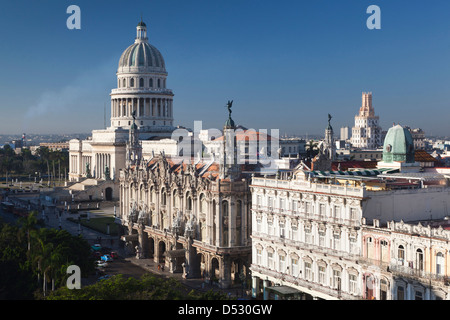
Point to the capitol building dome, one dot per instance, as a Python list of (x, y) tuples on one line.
[(141, 92), (141, 56)]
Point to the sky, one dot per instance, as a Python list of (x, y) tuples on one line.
[(285, 64)]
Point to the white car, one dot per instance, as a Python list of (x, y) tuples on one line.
[(102, 264)]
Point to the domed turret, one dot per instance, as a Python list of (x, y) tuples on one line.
[(398, 145), (141, 89), (141, 56)]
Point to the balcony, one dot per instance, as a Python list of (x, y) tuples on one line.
[(308, 285), (141, 90), (406, 271)]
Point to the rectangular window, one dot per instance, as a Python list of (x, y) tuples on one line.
[(322, 238), (337, 212), (400, 293), (270, 260), (281, 229), (294, 233), (336, 241), (308, 271), (282, 201), (352, 245), (282, 264), (294, 206), (321, 210), (307, 235), (308, 208), (258, 225), (322, 275), (258, 256), (270, 202), (352, 283), (294, 267), (270, 227), (337, 279), (353, 214)]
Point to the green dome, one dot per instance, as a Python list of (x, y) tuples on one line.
[(143, 54), (229, 123), (398, 145)]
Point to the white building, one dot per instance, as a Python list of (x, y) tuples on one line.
[(307, 226), (366, 133), (142, 95)]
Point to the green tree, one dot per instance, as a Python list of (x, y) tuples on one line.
[(311, 149)]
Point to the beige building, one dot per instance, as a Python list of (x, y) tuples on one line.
[(366, 133), (406, 261)]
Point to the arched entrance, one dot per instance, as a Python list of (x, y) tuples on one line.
[(215, 270), (108, 194), (161, 251), (151, 247)]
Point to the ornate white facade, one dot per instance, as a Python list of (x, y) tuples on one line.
[(142, 95), (305, 236), (310, 239), (192, 216)]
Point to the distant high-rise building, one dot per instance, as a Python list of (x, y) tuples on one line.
[(366, 134), (344, 133)]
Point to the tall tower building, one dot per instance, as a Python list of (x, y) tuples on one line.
[(366, 134)]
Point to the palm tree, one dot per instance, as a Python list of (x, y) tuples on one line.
[(311, 149), (43, 260), (28, 226)]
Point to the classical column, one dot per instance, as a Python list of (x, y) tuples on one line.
[(255, 286)]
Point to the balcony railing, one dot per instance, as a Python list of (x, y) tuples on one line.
[(310, 285), (417, 273)]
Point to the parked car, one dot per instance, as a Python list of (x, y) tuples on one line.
[(102, 264), (96, 247), (114, 254), (106, 257)]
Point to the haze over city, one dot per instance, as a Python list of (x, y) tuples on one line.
[(286, 64)]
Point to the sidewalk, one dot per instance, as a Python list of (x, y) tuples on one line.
[(196, 284)]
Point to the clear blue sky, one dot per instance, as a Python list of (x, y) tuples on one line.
[(286, 64)]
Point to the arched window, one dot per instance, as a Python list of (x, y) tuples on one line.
[(132, 82), (238, 222), (124, 82), (419, 259), (439, 263), (214, 221), (159, 83), (401, 253), (163, 198), (203, 204), (175, 199), (188, 201), (225, 223), (151, 83), (141, 82)]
